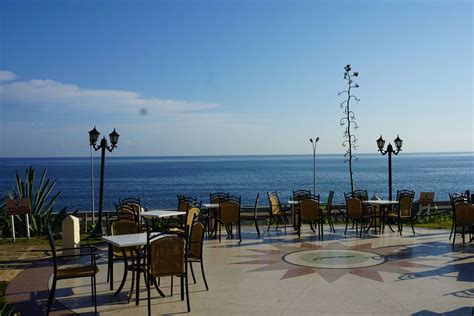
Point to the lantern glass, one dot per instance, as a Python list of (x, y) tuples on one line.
[(398, 142), (93, 136), (380, 143), (114, 137)]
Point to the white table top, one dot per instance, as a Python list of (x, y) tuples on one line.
[(380, 202), (161, 213), (128, 240), (291, 202), (210, 205)]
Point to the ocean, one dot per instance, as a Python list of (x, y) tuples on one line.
[(157, 180)]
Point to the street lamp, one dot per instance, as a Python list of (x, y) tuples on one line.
[(93, 137), (398, 144), (313, 143)]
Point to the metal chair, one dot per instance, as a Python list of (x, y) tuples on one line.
[(309, 210), (276, 211), (195, 246), (327, 213), (403, 210), (229, 213), (464, 216), (356, 212), (167, 256), (81, 271)]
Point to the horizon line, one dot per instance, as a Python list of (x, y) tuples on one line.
[(232, 155)]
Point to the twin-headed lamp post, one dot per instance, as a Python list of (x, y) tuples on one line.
[(93, 137), (313, 143), (398, 144)]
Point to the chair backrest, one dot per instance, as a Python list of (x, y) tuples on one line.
[(405, 202), (229, 209), (166, 255), (426, 198), (361, 195), (196, 238), (329, 203), (300, 194), (255, 208), (275, 205), (464, 212), (309, 207), (215, 197), (353, 205), (190, 214), (122, 227)]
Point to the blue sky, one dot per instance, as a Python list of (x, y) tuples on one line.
[(233, 77)]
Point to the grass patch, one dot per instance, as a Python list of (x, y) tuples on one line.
[(85, 241), (434, 225)]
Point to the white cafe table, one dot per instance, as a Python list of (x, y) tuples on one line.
[(161, 213), (133, 240), (381, 204)]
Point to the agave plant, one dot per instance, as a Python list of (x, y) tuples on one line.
[(42, 203)]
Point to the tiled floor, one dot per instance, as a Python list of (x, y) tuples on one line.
[(278, 274)]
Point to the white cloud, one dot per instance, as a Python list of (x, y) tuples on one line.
[(52, 94), (6, 75)]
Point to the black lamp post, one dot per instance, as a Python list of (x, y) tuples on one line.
[(398, 144), (313, 143), (93, 137)]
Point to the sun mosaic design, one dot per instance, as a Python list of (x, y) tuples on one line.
[(333, 261)]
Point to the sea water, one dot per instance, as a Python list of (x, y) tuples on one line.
[(157, 180)]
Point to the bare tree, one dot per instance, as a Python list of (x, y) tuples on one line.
[(349, 120)]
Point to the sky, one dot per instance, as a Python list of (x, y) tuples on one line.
[(233, 77)]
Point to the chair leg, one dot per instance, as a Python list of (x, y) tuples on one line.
[(463, 240), (187, 292), (219, 224), (182, 287), (192, 271), (452, 229), (95, 294), (204, 275), (454, 234), (133, 282), (172, 285), (240, 232), (412, 226), (51, 296), (400, 227), (347, 223), (270, 218), (256, 227)]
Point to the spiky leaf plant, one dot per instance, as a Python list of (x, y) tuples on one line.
[(42, 202)]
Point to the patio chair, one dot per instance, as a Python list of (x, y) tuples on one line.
[(464, 216), (276, 211), (167, 256), (195, 246), (229, 213), (327, 213), (309, 210), (297, 196), (214, 198), (403, 211), (356, 212), (186, 221), (452, 198), (78, 271), (255, 216)]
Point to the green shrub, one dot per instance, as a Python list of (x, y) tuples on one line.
[(42, 204)]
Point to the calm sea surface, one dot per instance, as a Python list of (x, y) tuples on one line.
[(157, 180)]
